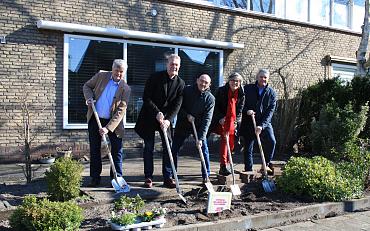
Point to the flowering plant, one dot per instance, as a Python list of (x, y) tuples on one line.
[(147, 216), (159, 212)]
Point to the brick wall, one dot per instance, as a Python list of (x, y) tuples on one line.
[(32, 60)]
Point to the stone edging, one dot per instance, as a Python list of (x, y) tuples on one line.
[(316, 211)]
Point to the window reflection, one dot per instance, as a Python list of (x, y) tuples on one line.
[(196, 62), (297, 10), (264, 6), (320, 12), (142, 60), (85, 58), (340, 17)]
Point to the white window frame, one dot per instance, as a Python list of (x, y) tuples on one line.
[(346, 68), (285, 2), (66, 125)]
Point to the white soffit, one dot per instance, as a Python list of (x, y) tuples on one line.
[(130, 34)]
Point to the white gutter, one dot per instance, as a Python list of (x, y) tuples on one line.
[(72, 27)]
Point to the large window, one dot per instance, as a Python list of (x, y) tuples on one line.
[(84, 56), (346, 14)]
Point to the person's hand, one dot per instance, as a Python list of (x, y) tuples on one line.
[(160, 117), (165, 124), (258, 130), (103, 131), (222, 121), (190, 118), (199, 143), (90, 101)]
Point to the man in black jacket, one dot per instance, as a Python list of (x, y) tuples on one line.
[(260, 98), (162, 100), (197, 105)]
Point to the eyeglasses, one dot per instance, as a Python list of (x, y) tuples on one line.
[(235, 80)]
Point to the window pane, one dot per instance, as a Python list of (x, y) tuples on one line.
[(358, 14), (264, 6), (320, 12), (231, 3), (196, 62), (85, 58), (297, 10), (345, 72), (341, 13), (142, 60)]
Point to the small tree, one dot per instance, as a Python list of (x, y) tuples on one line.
[(361, 52), (26, 131)]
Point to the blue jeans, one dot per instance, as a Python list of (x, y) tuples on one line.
[(267, 137), (178, 141), (148, 157), (95, 147)]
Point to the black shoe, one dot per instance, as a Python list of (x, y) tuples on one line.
[(224, 171), (169, 183), (94, 182)]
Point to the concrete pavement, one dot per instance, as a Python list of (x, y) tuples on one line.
[(358, 221)]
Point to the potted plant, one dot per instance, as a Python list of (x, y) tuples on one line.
[(127, 214)]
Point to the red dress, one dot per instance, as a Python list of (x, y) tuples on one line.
[(229, 126)]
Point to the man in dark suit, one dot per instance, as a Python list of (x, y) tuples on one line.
[(260, 98), (162, 100), (111, 93)]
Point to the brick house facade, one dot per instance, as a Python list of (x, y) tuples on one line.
[(32, 59)]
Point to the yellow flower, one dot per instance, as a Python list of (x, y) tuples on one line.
[(148, 213)]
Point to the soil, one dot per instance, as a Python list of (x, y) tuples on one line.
[(253, 201)]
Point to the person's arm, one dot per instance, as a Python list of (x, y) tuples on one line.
[(174, 106), (88, 88), (269, 111), (206, 119)]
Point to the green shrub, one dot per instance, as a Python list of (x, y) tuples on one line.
[(320, 179), (315, 97), (64, 179), (335, 133), (35, 215)]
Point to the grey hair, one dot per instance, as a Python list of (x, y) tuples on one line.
[(119, 63), (266, 72), (235, 75), (173, 56)]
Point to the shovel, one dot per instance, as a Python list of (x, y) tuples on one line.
[(268, 185), (178, 190), (119, 184), (235, 190), (208, 184)]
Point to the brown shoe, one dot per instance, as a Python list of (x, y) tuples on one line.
[(169, 183), (148, 183)]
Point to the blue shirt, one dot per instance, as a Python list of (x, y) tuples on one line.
[(104, 103)]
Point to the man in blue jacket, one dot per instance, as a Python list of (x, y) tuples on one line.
[(197, 105), (260, 98)]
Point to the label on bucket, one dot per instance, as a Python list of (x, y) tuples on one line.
[(218, 201)]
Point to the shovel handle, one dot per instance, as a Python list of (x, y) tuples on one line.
[(200, 150), (259, 145), (230, 158), (171, 160), (105, 142)]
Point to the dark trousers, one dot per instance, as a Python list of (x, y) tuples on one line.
[(95, 147), (267, 137), (148, 156), (178, 141)]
